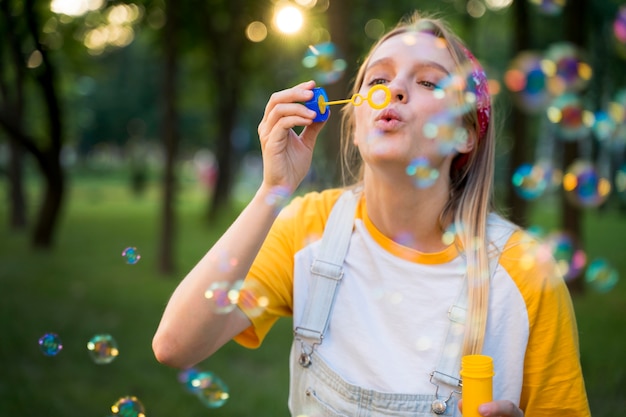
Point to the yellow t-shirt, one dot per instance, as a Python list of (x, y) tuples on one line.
[(389, 319)]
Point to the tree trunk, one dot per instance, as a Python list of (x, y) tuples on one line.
[(226, 48), (17, 197), (12, 94), (338, 14), (50, 210), (519, 122), (170, 139), (571, 215)]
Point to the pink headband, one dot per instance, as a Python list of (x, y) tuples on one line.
[(483, 103)]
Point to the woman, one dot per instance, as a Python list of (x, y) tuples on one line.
[(383, 307)]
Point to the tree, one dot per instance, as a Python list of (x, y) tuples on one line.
[(45, 148), (171, 136)]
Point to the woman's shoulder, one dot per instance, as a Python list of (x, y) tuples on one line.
[(317, 204)]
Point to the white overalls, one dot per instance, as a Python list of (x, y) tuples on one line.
[(316, 390)]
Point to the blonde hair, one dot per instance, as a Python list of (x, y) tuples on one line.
[(471, 186)]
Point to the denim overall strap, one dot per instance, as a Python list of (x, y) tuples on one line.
[(327, 270), (498, 233)]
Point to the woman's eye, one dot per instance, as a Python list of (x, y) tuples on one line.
[(427, 84), (377, 81)]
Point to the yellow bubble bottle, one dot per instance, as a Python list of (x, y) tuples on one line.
[(477, 376)]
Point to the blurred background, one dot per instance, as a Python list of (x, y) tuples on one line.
[(128, 144)]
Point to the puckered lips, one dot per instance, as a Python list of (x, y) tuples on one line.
[(388, 119)]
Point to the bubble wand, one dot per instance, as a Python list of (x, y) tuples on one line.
[(319, 102)]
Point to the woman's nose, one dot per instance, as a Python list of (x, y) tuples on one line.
[(398, 91)]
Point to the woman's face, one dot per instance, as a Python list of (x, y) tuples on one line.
[(411, 65)]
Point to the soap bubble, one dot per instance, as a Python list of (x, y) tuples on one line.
[(252, 299), (324, 60), (570, 117), (221, 297), (568, 254), (566, 68), (619, 25), (128, 406), (248, 294), (529, 181), (131, 255), (603, 125), (186, 378), (601, 275), (461, 90), (50, 344), (445, 128), (527, 81), (584, 186), (102, 348), (210, 389), (422, 174)]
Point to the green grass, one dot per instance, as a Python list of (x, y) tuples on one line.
[(84, 287)]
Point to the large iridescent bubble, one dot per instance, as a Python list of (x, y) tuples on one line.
[(526, 79), (567, 69), (324, 61), (210, 389), (570, 117), (601, 275), (584, 186)]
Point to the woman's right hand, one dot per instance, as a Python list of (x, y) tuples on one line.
[(286, 155)]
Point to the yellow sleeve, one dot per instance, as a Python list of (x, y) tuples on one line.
[(553, 382), (300, 223)]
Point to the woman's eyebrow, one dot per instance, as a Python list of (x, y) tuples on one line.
[(422, 64)]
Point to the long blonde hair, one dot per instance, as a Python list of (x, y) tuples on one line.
[(471, 186)]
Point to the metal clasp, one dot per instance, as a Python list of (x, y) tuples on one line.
[(439, 406)]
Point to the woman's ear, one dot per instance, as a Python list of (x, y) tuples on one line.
[(468, 145)]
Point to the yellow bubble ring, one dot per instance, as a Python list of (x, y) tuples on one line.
[(358, 99)]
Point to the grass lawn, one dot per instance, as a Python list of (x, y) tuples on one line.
[(83, 287)]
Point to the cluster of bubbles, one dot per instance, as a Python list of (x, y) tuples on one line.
[(551, 83), (571, 260), (537, 78), (205, 385), (583, 184), (102, 347), (224, 297)]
